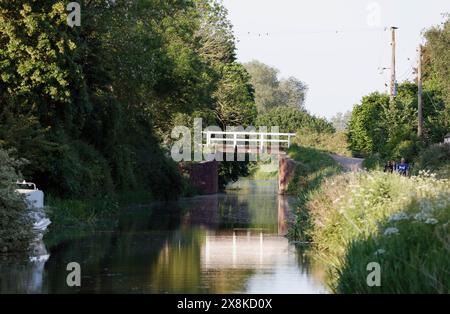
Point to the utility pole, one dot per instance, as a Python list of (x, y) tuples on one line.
[(419, 95), (393, 91)]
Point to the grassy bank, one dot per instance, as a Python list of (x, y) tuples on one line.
[(401, 223), (82, 213), (92, 212), (74, 219), (313, 167)]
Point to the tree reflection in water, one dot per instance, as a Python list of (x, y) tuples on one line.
[(225, 243)]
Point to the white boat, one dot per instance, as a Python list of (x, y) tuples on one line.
[(35, 201)]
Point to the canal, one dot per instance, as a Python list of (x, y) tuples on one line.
[(232, 242)]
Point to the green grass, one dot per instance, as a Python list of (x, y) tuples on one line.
[(73, 219), (349, 219), (314, 166), (91, 212), (75, 213), (263, 170)]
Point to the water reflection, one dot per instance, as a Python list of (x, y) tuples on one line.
[(225, 243)]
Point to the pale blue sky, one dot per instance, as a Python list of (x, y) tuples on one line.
[(299, 38)]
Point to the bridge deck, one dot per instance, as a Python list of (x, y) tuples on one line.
[(244, 149)]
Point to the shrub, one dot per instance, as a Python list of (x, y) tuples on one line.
[(79, 170), (373, 162), (335, 143), (15, 224), (436, 158), (292, 119)]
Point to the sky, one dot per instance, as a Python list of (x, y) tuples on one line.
[(337, 47)]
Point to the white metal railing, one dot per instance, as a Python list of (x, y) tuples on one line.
[(240, 137)]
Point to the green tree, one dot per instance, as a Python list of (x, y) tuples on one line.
[(235, 104), (291, 120), (436, 71), (265, 82), (390, 128), (15, 224), (437, 58), (270, 92), (367, 134), (292, 93), (340, 120)]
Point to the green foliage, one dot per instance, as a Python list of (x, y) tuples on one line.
[(390, 128), (373, 162), (340, 121), (291, 119), (366, 134), (313, 167), (263, 170), (435, 158), (292, 93), (335, 143), (399, 222), (15, 224), (436, 60), (230, 171), (90, 106), (265, 82), (66, 213), (234, 97)]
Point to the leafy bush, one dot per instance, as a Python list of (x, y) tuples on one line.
[(373, 162), (78, 170), (436, 158), (15, 224), (335, 143), (378, 125), (399, 222), (292, 119)]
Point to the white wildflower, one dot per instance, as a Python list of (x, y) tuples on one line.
[(421, 216), (398, 217), (426, 206), (431, 221), (390, 230), (379, 252)]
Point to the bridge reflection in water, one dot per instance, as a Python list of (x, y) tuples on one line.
[(246, 247), (243, 247), (227, 243)]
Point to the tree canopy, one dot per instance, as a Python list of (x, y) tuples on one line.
[(89, 106), (270, 92)]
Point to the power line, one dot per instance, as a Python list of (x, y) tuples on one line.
[(314, 32)]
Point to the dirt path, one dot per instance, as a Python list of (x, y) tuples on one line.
[(349, 163)]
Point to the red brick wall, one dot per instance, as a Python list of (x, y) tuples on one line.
[(286, 169)]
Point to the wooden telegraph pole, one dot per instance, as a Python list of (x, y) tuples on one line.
[(393, 91), (419, 95)]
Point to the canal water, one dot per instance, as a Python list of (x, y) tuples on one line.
[(226, 243)]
